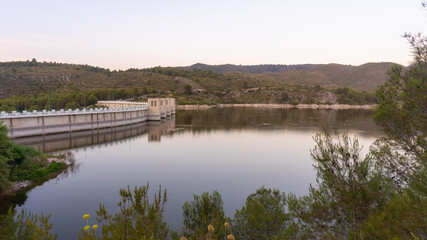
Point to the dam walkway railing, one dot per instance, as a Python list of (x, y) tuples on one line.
[(62, 112)]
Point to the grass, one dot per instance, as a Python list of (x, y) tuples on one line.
[(38, 171)]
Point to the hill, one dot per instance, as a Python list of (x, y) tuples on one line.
[(364, 77), (318, 84)]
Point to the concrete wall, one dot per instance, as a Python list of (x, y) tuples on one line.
[(43, 123), (172, 101), (154, 111)]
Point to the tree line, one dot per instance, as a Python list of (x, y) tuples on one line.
[(66, 100), (35, 63)]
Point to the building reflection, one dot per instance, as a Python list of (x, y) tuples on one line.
[(63, 141), (157, 129)]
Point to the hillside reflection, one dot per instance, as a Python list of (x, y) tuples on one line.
[(225, 119), (353, 120)]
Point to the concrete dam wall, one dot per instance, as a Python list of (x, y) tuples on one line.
[(50, 122)]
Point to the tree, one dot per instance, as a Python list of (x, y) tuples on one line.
[(263, 216), (404, 217), (349, 190), (402, 110), (401, 154), (144, 91), (25, 226), (245, 84), (92, 100), (204, 210), (285, 96), (4, 167), (33, 62), (137, 218), (4, 175), (342, 91), (188, 89), (72, 105), (135, 92)]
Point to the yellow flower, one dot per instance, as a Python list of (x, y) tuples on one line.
[(230, 237), (95, 226), (211, 228), (183, 238), (86, 216), (86, 228), (226, 224)]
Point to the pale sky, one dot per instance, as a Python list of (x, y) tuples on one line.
[(139, 34)]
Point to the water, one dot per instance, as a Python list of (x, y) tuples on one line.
[(233, 150)]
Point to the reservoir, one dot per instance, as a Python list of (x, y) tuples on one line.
[(232, 150)]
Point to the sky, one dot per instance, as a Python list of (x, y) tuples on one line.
[(147, 33)]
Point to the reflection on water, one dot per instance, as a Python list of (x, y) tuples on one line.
[(353, 120), (63, 141), (232, 150)]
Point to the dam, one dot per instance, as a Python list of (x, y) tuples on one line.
[(110, 114)]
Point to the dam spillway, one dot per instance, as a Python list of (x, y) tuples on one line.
[(113, 114)]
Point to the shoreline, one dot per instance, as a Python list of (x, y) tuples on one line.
[(26, 185), (276, 106)]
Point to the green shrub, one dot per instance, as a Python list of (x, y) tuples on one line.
[(25, 226), (204, 210), (27, 151), (137, 217), (263, 216)]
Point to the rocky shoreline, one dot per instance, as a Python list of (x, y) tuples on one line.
[(278, 106)]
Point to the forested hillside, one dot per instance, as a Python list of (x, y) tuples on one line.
[(364, 77), (38, 85)]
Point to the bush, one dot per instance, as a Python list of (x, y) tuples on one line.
[(25, 226), (204, 210), (137, 217), (188, 89), (285, 97), (27, 151), (263, 216)]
